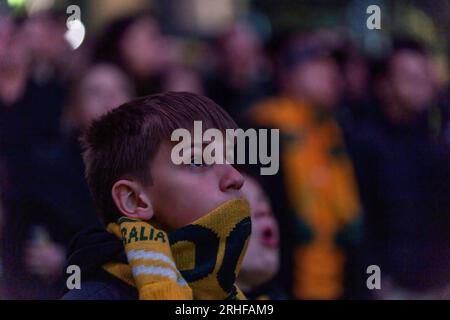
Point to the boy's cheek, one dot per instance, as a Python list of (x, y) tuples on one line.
[(184, 197), (188, 208), (181, 210)]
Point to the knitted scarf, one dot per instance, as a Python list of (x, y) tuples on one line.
[(207, 255)]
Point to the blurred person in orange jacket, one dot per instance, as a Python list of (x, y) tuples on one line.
[(316, 173)]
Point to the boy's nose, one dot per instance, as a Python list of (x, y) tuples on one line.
[(230, 178)]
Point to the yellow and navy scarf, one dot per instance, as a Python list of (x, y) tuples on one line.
[(321, 190), (208, 254)]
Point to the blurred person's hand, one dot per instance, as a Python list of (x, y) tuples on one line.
[(45, 260)]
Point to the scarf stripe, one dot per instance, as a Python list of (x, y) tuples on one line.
[(158, 271), (149, 255)]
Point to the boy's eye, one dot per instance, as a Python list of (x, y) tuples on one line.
[(197, 162), (199, 165)]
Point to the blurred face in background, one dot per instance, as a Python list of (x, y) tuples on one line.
[(411, 84), (315, 81), (14, 52), (102, 89), (356, 76), (143, 48), (261, 261), (6, 31), (45, 37), (179, 78), (241, 47)]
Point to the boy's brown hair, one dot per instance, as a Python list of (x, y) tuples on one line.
[(122, 143)]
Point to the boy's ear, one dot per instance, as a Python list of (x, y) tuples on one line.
[(132, 200)]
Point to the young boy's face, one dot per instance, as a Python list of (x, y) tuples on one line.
[(183, 193)]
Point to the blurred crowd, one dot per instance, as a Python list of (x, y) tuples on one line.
[(365, 150)]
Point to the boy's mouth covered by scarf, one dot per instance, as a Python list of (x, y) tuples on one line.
[(198, 261)]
